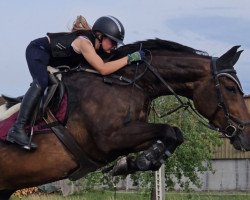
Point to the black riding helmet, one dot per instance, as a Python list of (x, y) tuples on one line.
[(111, 27)]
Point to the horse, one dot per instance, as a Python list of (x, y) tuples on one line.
[(107, 115)]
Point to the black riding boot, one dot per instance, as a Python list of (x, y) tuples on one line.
[(17, 133)]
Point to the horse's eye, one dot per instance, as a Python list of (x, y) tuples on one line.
[(231, 89)]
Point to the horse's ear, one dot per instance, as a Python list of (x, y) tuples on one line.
[(226, 58), (236, 57)]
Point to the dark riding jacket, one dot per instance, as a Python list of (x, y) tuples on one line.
[(62, 51)]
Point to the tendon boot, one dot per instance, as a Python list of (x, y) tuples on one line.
[(17, 133), (152, 158)]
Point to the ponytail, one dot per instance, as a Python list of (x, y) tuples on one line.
[(80, 24)]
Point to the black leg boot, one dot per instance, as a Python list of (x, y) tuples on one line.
[(152, 158), (17, 133)]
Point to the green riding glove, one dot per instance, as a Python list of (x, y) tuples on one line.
[(136, 56)]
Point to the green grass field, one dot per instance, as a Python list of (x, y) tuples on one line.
[(140, 196)]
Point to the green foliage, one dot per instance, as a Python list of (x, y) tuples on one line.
[(143, 180), (96, 179), (191, 158)]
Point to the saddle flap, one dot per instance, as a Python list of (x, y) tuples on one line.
[(54, 94)]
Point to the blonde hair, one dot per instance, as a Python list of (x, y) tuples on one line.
[(80, 24)]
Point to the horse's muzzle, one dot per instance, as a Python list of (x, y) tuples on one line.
[(236, 141)]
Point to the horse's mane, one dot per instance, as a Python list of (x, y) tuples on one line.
[(158, 44)]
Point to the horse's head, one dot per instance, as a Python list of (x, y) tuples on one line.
[(211, 83), (220, 99)]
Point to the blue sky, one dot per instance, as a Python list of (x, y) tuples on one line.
[(213, 26)]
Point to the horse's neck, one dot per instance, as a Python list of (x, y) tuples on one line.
[(182, 74)]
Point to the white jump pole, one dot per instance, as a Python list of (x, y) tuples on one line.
[(160, 183)]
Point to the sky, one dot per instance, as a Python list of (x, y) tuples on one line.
[(213, 26)]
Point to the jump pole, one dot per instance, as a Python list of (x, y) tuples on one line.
[(160, 183)]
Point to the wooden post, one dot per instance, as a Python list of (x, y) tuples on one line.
[(160, 183)]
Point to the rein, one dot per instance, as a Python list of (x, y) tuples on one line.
[(185, 105)]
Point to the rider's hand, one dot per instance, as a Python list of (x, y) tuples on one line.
[(136, 56)]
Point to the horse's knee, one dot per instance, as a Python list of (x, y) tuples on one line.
[(173, 139)]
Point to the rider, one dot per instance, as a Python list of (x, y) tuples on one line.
[(68, 49)]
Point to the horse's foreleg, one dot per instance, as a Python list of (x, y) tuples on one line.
[(169, 138), (137, 136), (150, 159)]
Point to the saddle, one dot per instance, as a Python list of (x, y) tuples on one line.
[(51, 99)]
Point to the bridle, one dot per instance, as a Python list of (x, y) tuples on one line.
[(234, 126)]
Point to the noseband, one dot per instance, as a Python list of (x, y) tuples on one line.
[(234, 125)]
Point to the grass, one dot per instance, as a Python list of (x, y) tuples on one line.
[(140, 196), (107, 195)]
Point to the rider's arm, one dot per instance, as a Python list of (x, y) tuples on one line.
[(96, 62)]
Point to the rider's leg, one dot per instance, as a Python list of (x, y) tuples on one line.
[(37, 55), (17, 133)]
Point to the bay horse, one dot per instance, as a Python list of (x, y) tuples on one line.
[(108, 118)]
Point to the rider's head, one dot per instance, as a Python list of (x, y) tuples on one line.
[(109, 27)]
